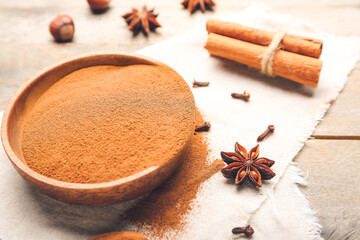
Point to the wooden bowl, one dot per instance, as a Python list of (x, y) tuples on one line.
[(104, 193)]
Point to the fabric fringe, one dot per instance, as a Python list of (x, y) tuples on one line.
[(311, 221)]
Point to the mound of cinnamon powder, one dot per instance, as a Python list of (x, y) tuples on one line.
[(103, 123)]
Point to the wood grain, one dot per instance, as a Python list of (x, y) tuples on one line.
[(333, 189), (343, 118), (24, 35)]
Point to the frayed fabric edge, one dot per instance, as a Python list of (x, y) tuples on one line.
[(311, 221)]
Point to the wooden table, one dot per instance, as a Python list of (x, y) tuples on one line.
[(330, 156)]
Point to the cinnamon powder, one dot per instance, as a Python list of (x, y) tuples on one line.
[(80, 131), (165, 207), (103, 123), (120, 236)]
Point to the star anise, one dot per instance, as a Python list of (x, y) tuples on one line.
[(242, 165), (192, 5), (141, 20)]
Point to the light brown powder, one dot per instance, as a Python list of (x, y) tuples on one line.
[(120, 236), (103, 123), (166, 206)]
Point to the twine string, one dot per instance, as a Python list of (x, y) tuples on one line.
[(268, 55)]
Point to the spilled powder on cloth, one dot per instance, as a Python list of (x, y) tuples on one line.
[(165, 207)]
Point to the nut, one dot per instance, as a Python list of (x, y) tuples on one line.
[(99, 5), (62, 28)]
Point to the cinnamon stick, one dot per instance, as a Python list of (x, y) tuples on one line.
[(296, 67), (291, 43)]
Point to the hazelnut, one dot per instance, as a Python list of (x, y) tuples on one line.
[(99, 5), (62, 28)]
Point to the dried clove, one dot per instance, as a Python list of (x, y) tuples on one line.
[(248, 231), (244, 96), (270, 129), (200, 84), (203, 128)]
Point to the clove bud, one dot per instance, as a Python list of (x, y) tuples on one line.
[(203, 128), (270, 129), (244, 96), (200, 84), (248, 231)]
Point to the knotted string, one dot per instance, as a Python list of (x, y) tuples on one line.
[(268, 55)]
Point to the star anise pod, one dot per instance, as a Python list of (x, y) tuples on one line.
[(192, 5), (242, 165), (141, 20)]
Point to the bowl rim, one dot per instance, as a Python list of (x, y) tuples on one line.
[(49, 181)]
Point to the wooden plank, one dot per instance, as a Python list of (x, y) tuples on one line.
[(231, 3), (28, 46), (27, 21), (343, 118), (22, 61), (333, 175)]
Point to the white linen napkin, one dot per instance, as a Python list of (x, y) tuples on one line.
[(294, 109)]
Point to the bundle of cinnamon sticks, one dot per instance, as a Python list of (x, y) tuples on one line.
[(296, 58)]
